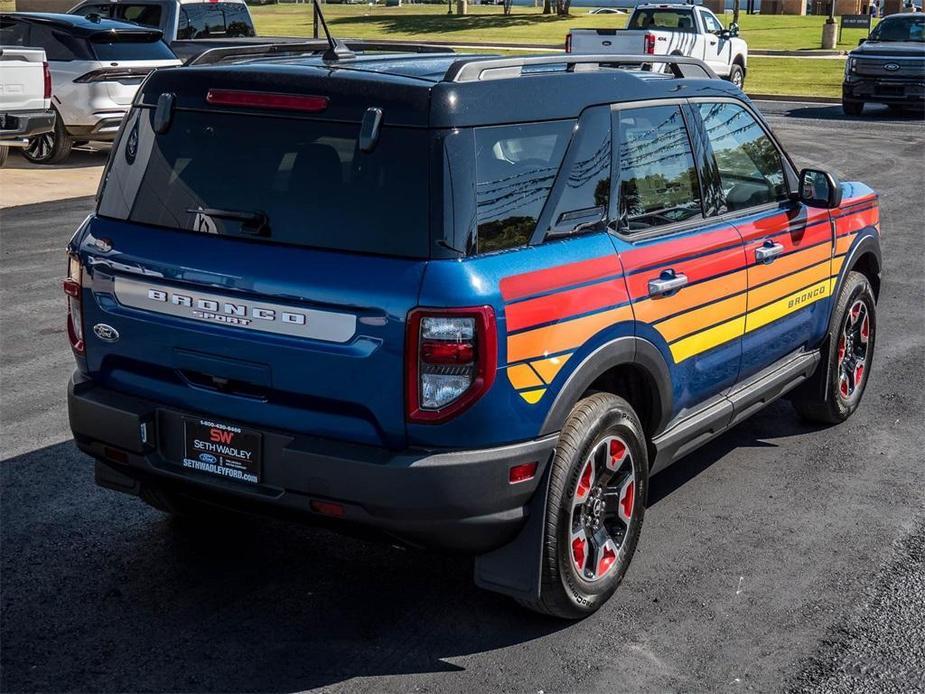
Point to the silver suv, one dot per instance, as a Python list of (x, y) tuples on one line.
[(96, 67)]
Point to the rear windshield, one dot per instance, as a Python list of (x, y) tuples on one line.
[(273, 180), (132, 48), (671, 20)]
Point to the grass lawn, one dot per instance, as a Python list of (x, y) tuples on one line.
[(795, 76), (486, 23)]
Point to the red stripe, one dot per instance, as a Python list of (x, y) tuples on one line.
[(667, 250), (696, 269), (767, 226), (540, 281), (546, 309)]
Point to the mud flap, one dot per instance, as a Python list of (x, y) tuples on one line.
[(515, 569)]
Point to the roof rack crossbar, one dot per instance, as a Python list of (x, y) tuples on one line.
[(476, 69), (314, 47)]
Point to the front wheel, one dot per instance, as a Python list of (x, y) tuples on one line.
[(595, 507), (852, 108), (737, 76), (834, 393)]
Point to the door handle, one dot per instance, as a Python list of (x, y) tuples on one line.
[(768, 252), (667, 283), (712, 43)]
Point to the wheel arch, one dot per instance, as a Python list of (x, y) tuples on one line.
[(630, 367)]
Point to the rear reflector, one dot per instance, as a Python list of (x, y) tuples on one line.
[(46, 74), (522, 472), (285, 102), (327, 508)]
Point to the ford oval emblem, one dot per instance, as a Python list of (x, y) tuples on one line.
[(106, 333), (208, 458), (892, 67)]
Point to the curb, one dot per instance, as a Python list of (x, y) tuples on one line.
[(811, 53), (796, 99)]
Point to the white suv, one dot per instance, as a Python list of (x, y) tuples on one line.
[(96, 67)]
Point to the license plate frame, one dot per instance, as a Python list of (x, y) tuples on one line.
[(224, 450)]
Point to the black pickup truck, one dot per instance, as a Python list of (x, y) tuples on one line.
[(190, 27), (888, 67)]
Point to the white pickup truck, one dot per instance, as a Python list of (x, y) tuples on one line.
[(25, 97), (689, 30)]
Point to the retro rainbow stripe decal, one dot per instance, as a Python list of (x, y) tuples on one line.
[(551, 313)]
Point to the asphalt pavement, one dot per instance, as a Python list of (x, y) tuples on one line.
[(780, 556)]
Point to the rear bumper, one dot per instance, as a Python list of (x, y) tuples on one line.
[(459, 500), (17, 126), (884, 91)]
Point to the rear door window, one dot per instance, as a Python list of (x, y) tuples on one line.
[(301, 182), (13, 32), (658, 179), (516, 166), (213, 20), (143, 15), (59, 45)]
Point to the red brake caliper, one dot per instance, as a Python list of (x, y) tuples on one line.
[(579, 546), (626, 503)]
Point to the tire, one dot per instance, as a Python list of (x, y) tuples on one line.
[(737, 76), (4, 154), (852, 108), (580, 569), (50, 148), (835, 391)]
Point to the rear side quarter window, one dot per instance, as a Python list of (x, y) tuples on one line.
[(516, 166)]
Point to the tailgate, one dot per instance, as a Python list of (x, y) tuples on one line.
[(616, 41), (306, 341), (22, 79)]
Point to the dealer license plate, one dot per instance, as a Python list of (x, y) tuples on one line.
[(224, 450)]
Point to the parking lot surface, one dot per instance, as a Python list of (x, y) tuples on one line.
[(778, 556)]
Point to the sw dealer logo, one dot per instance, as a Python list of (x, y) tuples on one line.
[(220, 436)]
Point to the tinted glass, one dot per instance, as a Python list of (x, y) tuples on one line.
[(900, 29), (674, 20), (227, 19), (658, 178), (144, 15), (98, 10), (516, 166), (749, 164), (59, 45), (305, 179), (584, 199), (13, 33), (132, 50)]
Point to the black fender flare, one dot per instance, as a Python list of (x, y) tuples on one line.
[(623, 350)]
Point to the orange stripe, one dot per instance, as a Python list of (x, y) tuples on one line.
[(759, 274), (562, 336), (695, 320), (782, 287), (843, 243), (649, 310)]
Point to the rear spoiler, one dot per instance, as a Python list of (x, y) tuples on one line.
[(127, 35), (216, 56)]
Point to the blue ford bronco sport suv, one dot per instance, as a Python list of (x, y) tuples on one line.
[(470, 302)]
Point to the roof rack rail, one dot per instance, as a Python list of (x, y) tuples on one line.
[(478, 68), (311, 47)]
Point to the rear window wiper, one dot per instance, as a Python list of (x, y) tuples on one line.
[(256, 223)]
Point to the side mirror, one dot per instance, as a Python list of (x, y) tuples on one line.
[(725, 34), (861, 41), (819, 189), (733, 29)]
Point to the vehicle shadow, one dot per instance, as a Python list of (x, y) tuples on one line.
[(101, 593), (94, 154), (872, 112)]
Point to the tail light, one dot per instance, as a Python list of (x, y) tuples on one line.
[(46, 73), (72, 289), (286, 102), (650, 44), (568, 43), (451, 357)]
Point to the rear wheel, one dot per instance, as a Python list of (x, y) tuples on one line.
[(595, 508), (737, 76), (51, 147), (850, 353), (852, 108)]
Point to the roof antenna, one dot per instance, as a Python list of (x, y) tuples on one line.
[(337, 49)]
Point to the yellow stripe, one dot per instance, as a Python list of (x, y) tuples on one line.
[(532, 396), (686, 323), (788, 304), (707, 339), (548, 368), (522, 376), (784, 287)]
